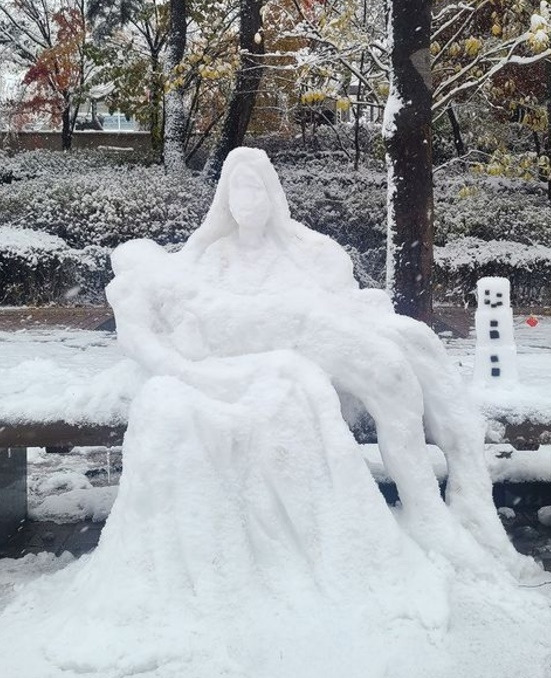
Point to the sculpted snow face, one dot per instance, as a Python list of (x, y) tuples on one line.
[(250, 282)]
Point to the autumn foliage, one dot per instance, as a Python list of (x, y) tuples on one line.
[(57, 73)]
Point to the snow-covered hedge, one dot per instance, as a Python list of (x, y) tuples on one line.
[(87, 199), (460, 263), (491, 209), (45, 163), (37, 268), (107, 206)]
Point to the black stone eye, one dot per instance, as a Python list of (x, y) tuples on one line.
[(496, 371), (493, 323), (494, 334), (494, 359), (499, 303), (487, 292), (486, 301), (499, 295)]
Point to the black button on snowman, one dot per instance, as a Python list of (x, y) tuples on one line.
[(496, 353)]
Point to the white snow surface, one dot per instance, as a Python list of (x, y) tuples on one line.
[(29, 243), (69, 375), (249, 538)]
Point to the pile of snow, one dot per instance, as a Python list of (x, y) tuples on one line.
[(15, 575), (69, 488), (85, 503), (249, 538), (68, 496)]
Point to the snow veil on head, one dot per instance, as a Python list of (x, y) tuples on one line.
[(220, 222)]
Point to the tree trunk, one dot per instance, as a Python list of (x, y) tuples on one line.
[(66, 127), (548, 144), (407, 132), (357, 116), (456, 130), (249, 76), (174, 154), (156, 105)]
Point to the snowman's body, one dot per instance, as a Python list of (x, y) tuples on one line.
[(496, 353)]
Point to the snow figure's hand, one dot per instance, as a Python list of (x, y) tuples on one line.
[(249, 204)]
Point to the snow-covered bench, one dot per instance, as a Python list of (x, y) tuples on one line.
[(62, 436), (521, 433)]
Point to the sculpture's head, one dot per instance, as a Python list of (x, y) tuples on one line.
[(249, 200)]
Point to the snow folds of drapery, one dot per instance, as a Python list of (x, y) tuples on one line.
[(248, 538)]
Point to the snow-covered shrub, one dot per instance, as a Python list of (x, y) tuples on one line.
[(460, 263), (108, 206), (40, 268), (42, 162), (330, 141), (349, 206), (491, 209)]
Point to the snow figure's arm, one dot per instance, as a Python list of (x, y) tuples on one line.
[(135, 333)]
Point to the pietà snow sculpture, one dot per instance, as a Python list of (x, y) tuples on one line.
[(249, 538), (251, 281)]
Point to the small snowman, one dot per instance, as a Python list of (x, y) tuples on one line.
[(496, 352)]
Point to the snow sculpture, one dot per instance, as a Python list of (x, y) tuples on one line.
[(251, 281), (249, 538), (496, 353)]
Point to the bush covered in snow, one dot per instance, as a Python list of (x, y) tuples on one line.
[(491, 209), (492, 226), (45, 163), (463, 261), (37, 268), (89, 199), (107, 206)]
